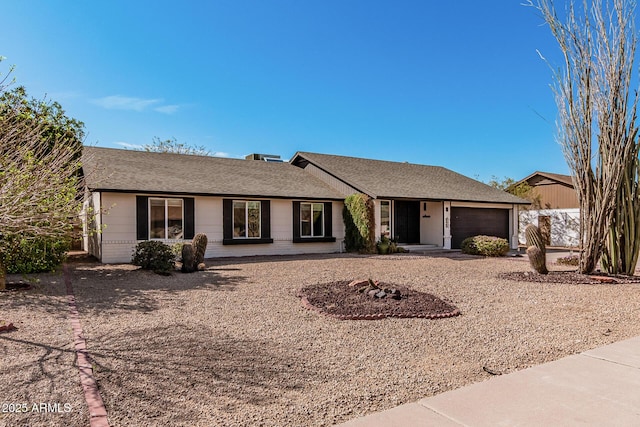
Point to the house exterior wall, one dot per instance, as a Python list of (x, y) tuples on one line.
[(565, 225), (557, 196), (91, 225), (432, 223), (118, 238), (332, 181)]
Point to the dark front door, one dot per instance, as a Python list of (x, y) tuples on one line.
[(407, 221)]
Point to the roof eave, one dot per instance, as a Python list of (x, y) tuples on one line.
[(204, 194)]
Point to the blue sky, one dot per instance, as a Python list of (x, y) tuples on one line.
[(452, 83)]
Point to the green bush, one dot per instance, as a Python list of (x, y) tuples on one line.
[(485, 246), (22, 255), (154, 255), (359, 224)]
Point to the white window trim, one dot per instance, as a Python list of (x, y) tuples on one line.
[(390, 217), (246, 218), (166, 216), (311, 220)]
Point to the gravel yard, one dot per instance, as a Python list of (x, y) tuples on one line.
[(233, 345)]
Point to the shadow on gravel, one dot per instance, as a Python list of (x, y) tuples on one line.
[(104, 288), (452, 255), (167, 374), (43, 373), (215, 263), (47, 293)]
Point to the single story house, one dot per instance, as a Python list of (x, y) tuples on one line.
[(556, 210), (256, 207)]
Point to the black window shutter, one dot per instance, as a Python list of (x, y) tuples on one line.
[(265, 220), (227, 219), (327, 219), (189, 218), (296, 221), (142, 217)]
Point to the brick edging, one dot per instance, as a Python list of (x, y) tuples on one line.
[(97, 411), (377, 316)]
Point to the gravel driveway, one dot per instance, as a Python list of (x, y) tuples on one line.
[(233, 346)]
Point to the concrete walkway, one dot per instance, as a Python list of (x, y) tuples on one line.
[(599, 387)]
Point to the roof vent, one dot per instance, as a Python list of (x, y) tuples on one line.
[(264, 157)]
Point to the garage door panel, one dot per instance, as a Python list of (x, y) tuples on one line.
[(467, 222)]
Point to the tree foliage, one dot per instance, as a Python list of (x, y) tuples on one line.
[(55, 126), (40, 183), (173, 146), (597, 126), (519, 189)]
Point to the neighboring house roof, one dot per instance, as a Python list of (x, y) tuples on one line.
[(385, 179), (108, 169), (545, 178)]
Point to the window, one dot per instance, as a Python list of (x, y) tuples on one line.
[(246, 219), (165, 219), (177, 217), (385, 218), (312, 222), (246, 222), (311, 219)]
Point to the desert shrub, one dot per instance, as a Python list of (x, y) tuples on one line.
[(569, 260), (24, 255), (388, 246), (383, 245), (154, 255), (359, 224), (485, 246)]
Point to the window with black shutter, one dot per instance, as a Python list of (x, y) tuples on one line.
[(312, 222), (246, 222), (165, 218)]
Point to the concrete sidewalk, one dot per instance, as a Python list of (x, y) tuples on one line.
[(599, 387)]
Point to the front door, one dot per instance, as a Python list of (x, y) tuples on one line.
[(407, 221)]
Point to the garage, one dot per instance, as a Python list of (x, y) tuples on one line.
[(467, 222)]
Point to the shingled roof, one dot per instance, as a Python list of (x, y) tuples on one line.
[(385, 179), (109, 169), (543, 177)]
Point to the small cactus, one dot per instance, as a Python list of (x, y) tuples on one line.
[(538, 260), (534, 238), (193, 254), (188, 257), (199, 247)]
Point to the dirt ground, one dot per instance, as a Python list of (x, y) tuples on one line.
[(234, 346)]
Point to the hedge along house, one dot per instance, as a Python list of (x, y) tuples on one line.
[(245, 207), (418, 204)]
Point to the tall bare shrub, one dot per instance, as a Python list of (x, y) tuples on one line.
[(39, 180), (597, 126)]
